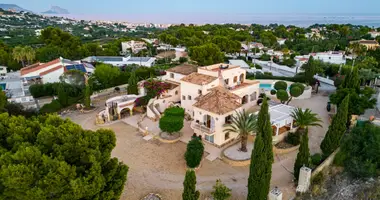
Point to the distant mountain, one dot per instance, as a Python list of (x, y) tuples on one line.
[(56, 10), (13, 7)]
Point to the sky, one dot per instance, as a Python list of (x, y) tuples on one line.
[(237, 11)]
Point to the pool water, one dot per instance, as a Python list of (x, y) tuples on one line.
[(265, 86), (2, 85)]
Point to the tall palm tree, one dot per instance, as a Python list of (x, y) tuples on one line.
[(18, 55), (305, 118), (29, 54), (244, 124), (357, 50)]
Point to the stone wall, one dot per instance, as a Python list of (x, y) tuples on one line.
[(278, 151), (326, 163)]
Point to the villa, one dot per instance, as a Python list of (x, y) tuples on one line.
[(210, 95)]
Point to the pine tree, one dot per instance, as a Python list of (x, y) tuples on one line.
[(337, 129), (303, 156), (132, 84), (189, 186), (87, 97), (262, 157)]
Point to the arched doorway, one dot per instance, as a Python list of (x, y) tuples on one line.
[(244, 100), (125, 113), (241, 79)]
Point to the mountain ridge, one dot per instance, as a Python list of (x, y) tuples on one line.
[(56, 10), (14, 7)]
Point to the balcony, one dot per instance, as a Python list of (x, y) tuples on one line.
[(202, 128)]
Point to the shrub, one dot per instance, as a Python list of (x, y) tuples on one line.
[(295, 91), (221, 192), (171, 124), (194, 153), (18, 109), (175, 111), (182, 59), (361, 149), (339, 158), (52, 107), (273, 92), (293, 138), (318, 179), (280, 85), (316, 159), (282, 95)]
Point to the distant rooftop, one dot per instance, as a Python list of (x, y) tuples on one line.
[(139, 59), (184, 69)]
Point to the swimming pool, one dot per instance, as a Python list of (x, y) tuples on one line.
[(2, 85), (268, 86), (265, 86)]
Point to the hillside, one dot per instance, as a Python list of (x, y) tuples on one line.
[(56, 10), (13, 7)]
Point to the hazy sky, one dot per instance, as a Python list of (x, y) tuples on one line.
[(199, 9)]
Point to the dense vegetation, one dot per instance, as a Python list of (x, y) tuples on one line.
[(47, 157), (360, 151)]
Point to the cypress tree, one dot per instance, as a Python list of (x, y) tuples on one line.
[(354, 82), (87, 98), (337, 129), (132, 84), (303, 156), (62, 95), (261, 158), (189, 190)]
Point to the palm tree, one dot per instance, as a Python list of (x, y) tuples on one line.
[(305, 118), (22, 54), (29, 54), (243, 123), (18, 55), (357, 50)]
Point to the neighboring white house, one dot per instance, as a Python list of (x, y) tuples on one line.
[(37, 32), (133, 45), (51, 71), (374, 34), (281, 41), (121, 61), (334, 57), (3, 71)]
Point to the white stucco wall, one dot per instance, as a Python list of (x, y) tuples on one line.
[(53, 76), (177, 77)]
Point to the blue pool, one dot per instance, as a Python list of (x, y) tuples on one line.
[(2, 85), (265, 86), (268, 86)]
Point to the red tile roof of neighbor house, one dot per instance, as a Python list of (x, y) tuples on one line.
[(37, 66), (51, 70)]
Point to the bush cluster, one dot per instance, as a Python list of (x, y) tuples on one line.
[(194, 152), (51, 89), (171, 124), (293, 138), (175, 111)]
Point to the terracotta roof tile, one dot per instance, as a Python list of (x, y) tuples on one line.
[(37, 66), (199, 79), (51, 70), (219, 101)]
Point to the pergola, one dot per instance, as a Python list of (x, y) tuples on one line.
[(280, 116)]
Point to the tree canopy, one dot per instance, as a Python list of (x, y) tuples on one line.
[(47, 157)]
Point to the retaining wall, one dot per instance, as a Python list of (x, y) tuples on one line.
[(326, 163)]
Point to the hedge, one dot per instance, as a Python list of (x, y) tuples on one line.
[(194, 153), (171, 124), (51, 89), (175, 111), (52, 107)]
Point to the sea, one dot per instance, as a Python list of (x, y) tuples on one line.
[(302, 20)]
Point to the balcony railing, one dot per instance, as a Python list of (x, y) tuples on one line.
[(202, 128)]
